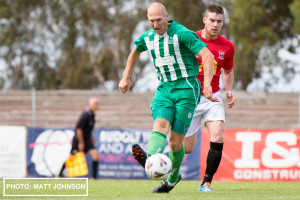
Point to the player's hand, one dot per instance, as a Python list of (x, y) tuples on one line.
[(124, 85), (207, 92), (80, 146), (230, 98)]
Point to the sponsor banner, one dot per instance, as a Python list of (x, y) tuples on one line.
[(116, 160), (257, 155), (49, 148), (12, 151)]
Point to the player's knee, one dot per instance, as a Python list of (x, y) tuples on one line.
[(189, 143), (188, 150), (217, 138), (161, 125), (175, 146)]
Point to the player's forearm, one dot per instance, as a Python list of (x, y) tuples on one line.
[(228, 78), (133, 57), (208, 66), (131, 62)]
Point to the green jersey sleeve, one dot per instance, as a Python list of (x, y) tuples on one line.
[(192, 41), (140, 43)]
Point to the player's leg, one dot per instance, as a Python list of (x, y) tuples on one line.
[(191, 135), (216, 130), (176, 155), (163, 115), (157, 140), (186, 94), (214, 120), (189, 143)]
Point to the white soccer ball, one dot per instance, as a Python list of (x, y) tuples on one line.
[(158, 166)]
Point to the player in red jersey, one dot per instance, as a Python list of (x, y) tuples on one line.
[(212, 113)]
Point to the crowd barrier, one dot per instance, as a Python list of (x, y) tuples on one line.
[(248, 155)]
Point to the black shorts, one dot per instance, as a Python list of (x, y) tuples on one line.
[(88, 145)]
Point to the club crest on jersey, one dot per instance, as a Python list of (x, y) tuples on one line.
[(221, 55)]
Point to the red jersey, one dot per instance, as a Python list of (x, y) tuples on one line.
[(223, 51)]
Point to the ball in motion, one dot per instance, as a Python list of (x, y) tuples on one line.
[(158, 166)]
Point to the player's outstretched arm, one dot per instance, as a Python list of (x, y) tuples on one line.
[(132, 60), (228, 78), (208, 65)]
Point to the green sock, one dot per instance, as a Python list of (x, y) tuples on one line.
[(156, 143), (176, 159)]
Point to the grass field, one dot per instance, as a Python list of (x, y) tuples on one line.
[(185, 190)]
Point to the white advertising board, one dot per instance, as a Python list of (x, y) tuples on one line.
[(13, 151)]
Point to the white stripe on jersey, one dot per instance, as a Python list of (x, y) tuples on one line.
[(167, 53), (157, 55), (195, 97), (147, 41), (179, 57), (199, 89)]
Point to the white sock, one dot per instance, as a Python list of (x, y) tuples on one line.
[(171, 184)]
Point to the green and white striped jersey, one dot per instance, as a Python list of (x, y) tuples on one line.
[(174, 53)]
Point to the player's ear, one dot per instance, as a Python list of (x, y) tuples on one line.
[(203, 19)]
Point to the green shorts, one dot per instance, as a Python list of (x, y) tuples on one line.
[(176, 101)]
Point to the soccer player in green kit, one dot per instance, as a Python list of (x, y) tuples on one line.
[(172, 48)]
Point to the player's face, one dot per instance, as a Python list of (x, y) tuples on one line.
[(158, 22), (213, 23)]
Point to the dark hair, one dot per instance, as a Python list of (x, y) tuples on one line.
[(214, 8)]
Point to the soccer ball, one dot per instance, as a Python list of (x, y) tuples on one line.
[(158, 166)]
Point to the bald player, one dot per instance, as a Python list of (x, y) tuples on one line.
[(173, 49)]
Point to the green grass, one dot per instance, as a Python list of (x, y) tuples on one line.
[(185, 190)]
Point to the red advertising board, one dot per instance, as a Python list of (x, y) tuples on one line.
[(256, 155)]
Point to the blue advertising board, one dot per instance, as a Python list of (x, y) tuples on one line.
[(48, 148), (116, 160)]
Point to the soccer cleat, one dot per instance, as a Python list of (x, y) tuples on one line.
[(164, 187), (206, 187), (139, 154)]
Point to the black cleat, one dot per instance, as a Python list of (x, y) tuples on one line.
[(164, 187), (139, 154)]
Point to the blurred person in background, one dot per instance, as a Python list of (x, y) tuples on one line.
[(212, 113), (83, 139)]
